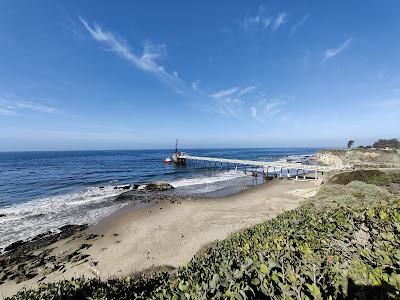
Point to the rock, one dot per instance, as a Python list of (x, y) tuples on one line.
[(158, 186), (91, 236), (50, 266), (2, 215), (3, 275), (127, 187), (85, 246), (14, 245), (69, 257)]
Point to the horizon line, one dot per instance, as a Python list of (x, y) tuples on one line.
[(172, 148)]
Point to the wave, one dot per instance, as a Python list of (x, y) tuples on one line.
[(223, 176), (26, 220)]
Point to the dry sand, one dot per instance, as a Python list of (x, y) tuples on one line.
[(168, 233)]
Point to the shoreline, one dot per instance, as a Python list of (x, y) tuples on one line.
[(167, 233), (129, 194), (88, 205)]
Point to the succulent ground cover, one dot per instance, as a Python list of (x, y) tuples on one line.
[(389, 181), (359, 175), (344, 243)]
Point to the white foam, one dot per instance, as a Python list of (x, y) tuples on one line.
[(223, 176), (294, 158), (25, 220)]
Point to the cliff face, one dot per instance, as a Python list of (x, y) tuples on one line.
[(359, 158), (331, 158)]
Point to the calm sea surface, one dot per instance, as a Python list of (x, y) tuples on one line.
[(41, 191)]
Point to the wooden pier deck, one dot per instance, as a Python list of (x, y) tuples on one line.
[(264, 165)]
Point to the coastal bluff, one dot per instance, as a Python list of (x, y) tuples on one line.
[(359, 158)]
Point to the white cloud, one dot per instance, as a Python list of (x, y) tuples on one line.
[(246, 90), (262, 21), (279, 21), (335, 51), (299, 24), (266, 108), (226, 93), (12, 105), (147, 61), (228, 102), (273, 107), (267, 21), (195, 85), (254, 114)]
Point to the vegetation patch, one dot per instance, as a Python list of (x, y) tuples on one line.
[(389, 181), (384, 143), (359, 175), (343, 243)]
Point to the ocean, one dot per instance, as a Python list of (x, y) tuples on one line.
[(42, 191)]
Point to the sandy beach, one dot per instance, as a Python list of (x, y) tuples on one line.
[(167, 233)]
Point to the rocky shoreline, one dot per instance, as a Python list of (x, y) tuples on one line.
[(24, 260), (34, 258)]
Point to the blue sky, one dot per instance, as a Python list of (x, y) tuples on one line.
[(137, 74)]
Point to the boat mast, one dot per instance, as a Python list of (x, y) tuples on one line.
[(176, 146)]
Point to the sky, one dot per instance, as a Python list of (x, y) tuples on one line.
[(78, 75)]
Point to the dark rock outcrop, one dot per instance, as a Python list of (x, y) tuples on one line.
[(158, 186)]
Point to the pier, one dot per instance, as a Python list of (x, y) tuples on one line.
[(274, 169)]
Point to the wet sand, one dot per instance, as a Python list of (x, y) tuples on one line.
[(169, 233)]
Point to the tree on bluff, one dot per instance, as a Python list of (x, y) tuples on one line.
[(389, 143), (350, 144)]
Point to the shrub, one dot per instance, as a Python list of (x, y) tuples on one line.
[(360, 175), (390, 143)]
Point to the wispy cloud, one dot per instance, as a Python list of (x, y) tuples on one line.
[(335, 51), (299, 24), (380, 75), (228, 102), (226, 93), (279, 21), (148, 61), (262, 21), (253, 111), (12, 106), (266, 108)]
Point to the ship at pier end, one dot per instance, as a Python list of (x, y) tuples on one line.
[(179, 157)]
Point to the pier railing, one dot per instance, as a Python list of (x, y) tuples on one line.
[(264, 165)]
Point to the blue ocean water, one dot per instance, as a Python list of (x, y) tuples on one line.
[(41, 191)]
